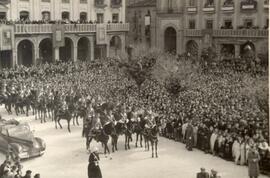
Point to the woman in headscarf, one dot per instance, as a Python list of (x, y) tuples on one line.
[(93, 165)]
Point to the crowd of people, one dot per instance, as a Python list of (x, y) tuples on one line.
[(13, 169), (44, 21), (223, 121)]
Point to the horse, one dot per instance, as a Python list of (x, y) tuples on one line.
[(128, 134), (151, 136), (138, 130), (120, 129), (102, 136), (63, 115)]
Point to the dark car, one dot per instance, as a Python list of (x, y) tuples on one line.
[(20, 141)]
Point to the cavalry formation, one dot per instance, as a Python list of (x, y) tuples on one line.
[(101, 120)]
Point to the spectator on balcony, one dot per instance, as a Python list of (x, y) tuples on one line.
[(209, 3), (228, 3)]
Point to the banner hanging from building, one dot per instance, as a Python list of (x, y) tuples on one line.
[(147, 20), (58, 35), (101, 34), (6, 37)]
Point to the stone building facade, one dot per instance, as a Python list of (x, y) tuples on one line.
[(229, 26), (38, 31), (141, 16)]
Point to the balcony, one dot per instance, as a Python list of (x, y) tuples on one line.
[(100, 4), (228, 8), (247, 6), (192, 33), (249, 33), (23, 29), (170, 11), (116, 3), (118, 27), (209, 9), (225, 33), (192, 9)]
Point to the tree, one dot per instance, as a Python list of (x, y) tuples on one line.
[(139, 64), (174, 75)]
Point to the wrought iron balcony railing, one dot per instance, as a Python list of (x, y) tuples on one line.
[(245, 33), (20, 29)]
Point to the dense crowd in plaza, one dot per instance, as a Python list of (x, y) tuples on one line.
[(225, 119), (13, 169)]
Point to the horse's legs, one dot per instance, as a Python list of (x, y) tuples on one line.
[(88, 141), (77, 121), (129, 139), (156, 142), (74, 120), (113, 144), (55, 121), (68, 121), (125, 142), (137, 135), (58, 120), (116, 140), (141, 140), (152, 146)]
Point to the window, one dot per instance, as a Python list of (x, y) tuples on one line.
[(65, 15), (65, 1), (46, 1), (191, 2), (116, 2), (83, 1), (83, 17), (209, 3), (100, 18), (209, 24), (248, 23), (3, 15), (24, 15), (99, 2), (192, 24), (267, 24), (115, 18), (46, 16), (170, 6), (228, 24)]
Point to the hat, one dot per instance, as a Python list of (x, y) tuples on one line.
[(28, 172)]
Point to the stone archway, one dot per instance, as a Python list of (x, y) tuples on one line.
[(66, 52), (248, 50), (115, 45), (46, 51), (170, 40), (25, 52), (83, 49), (227, 51)]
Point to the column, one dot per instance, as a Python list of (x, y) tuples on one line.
[(36, 59), (14, 58), (91, 49), (108, 49), (237, 50), (123, 43), (75, 52), (56, 54)]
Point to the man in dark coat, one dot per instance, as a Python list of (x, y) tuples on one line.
[(189, 136), (203, 174), (93, 165)]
